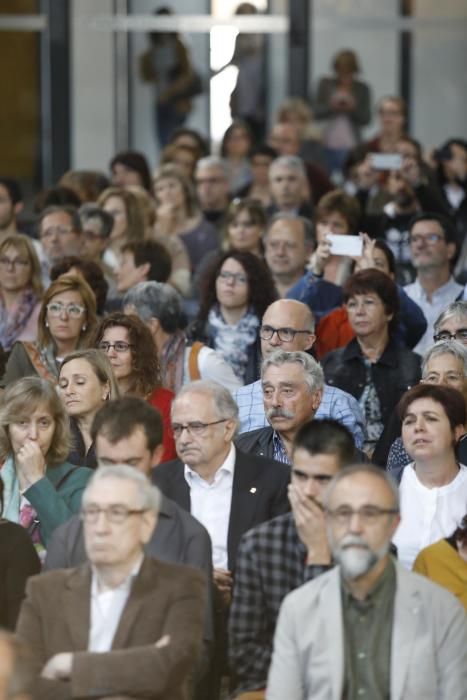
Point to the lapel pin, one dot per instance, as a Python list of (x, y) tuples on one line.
[(253, 490)]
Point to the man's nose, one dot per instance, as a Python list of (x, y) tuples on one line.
[(311, 487)]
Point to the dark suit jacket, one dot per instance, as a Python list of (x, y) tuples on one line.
[(259, 493), (165, 599)]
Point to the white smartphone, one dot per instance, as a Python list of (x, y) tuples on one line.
[(386, 161), (345, 245)]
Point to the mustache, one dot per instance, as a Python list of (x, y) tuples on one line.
[(279, 413), (350, 540)]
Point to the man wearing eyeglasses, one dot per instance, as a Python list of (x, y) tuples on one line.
[(368, 628), (60, 234), (123, 625), (433, 245), (228, 491), (289, 325), (278, 556)]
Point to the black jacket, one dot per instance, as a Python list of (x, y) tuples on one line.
[(396, 371), (259, 493)]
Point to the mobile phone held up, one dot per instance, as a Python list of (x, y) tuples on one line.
[(386, 161), (345, 245)]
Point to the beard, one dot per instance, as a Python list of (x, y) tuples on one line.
[(356, 561)]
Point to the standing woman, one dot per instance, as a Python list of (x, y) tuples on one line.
[(20, 290), (235, 293), (133, 356), (42, 489), (244, 227), (373, 367), (66, 321), (86, 382), (129, 221)]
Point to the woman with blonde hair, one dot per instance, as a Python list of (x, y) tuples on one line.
[(85, 383), (66, 322), (20, 290), (42, 489)]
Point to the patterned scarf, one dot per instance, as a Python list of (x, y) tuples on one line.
[(173, 361), (13, 322), (233, 342)]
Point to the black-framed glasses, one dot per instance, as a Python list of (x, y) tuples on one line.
[(195, 427), (368, 515), (460, 334), (285, 335), (115, 513), (55, 308), (118, 346)]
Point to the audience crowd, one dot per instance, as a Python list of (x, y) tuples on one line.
[(233, 425)]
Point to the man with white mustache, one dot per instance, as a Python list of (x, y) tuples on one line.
[(368, 628)]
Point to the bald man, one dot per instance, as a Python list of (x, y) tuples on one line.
[(289, 324)]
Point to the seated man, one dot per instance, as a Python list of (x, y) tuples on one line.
[(160, 307), (129, 431), (128, 625), (292, 388), (288, 324), (372, 629), (142, 261), (280, 555)]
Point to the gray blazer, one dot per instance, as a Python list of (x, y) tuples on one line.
[(429, 642), (361, 94)]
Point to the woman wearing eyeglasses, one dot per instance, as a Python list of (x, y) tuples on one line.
[(235, 292), (20, 290), (133, 355), (66, 321), (85, 383), (433, 487)]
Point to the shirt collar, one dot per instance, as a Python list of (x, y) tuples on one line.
[(123, 586), (447, 288), (227, 466)]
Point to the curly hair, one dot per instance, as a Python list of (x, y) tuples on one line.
[(19, 400), (146, 369), (261, 288)]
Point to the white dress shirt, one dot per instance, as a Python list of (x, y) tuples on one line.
[(428, 515), (210, 504), (432, 308), (106, 610)]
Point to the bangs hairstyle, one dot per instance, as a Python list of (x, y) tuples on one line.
[(19, 400), (146, 369), (135, 230), (172, 172), (341, 203), (100, 365), (69, 283), (450, 399), (255, 211), (376, 282), (23, 245)]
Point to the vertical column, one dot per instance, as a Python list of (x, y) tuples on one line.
[(299, 45)]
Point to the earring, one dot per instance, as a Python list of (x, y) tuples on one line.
[(83, 328), (46, 324)]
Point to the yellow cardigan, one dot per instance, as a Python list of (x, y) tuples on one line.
[(441, 563)]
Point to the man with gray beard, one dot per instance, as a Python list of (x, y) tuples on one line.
[(368, 628)]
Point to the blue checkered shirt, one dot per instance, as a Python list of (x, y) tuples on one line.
[(335, 404), (271, 562)]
